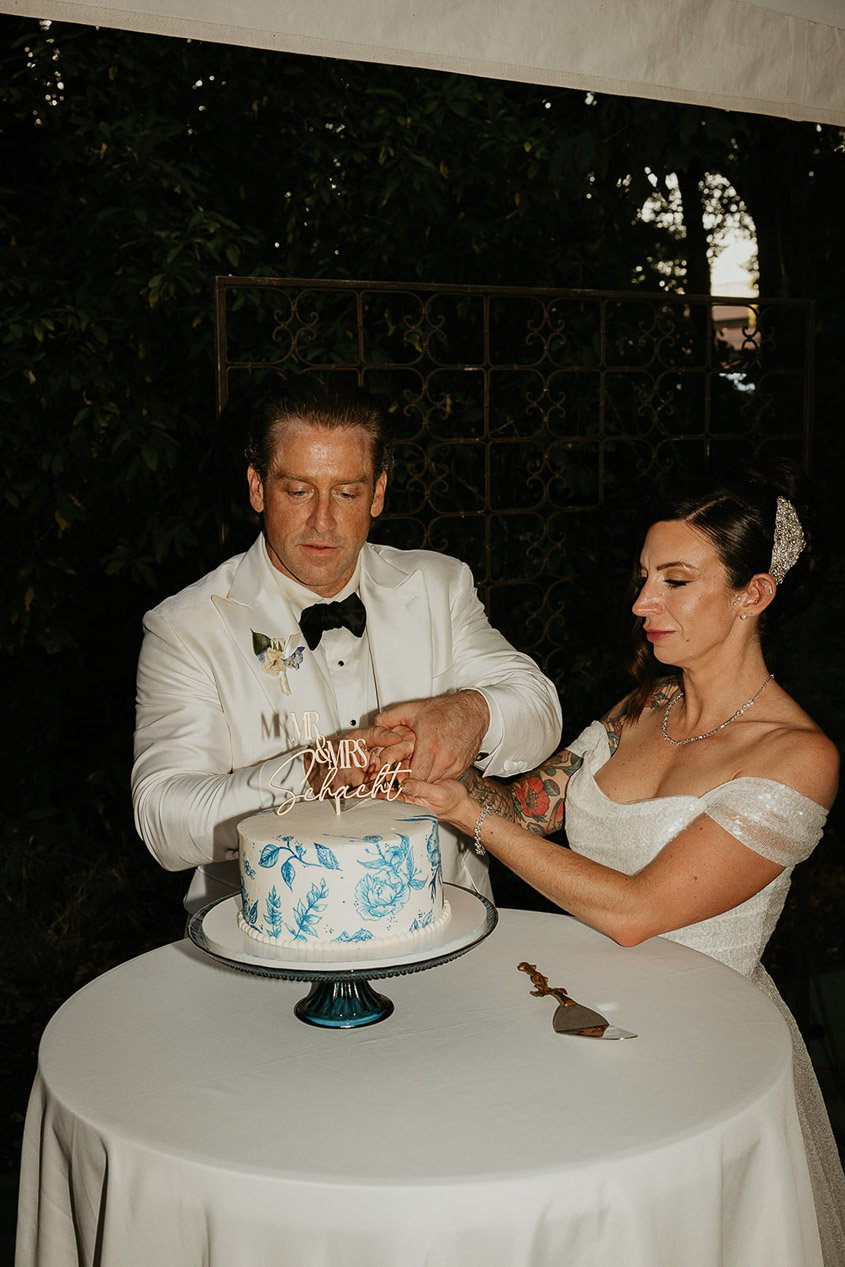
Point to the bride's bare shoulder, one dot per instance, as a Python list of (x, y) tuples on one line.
[(661, 693), (664, 690), (797, 752), (621, 718)]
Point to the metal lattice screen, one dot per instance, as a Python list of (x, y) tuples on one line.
[(532, 424)]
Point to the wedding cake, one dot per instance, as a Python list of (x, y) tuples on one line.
[(312, 878)]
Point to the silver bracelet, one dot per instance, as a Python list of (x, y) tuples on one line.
[(476, 838)]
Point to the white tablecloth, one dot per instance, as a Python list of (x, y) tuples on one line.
[(182, 1116)]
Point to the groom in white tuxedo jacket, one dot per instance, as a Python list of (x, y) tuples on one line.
[(225, 667)]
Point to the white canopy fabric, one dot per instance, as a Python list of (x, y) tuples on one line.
[(779, 57)]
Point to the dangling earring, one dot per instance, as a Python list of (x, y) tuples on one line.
[(743, 615)]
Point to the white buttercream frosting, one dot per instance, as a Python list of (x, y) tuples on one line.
[(341, 950), (363, 880)]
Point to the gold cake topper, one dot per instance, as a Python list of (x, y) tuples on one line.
[(337, 755)]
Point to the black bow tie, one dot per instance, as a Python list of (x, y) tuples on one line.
[(351, 614)]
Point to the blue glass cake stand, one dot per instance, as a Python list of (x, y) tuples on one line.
[(341, 996)]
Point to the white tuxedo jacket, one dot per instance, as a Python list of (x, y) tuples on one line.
[(213, 726)]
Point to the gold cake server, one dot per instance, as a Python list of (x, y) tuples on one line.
[(571, 1017)]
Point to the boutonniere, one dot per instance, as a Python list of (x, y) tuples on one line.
[(276, 656)]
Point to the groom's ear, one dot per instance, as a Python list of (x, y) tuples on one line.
[(256, 489), (378, 496)]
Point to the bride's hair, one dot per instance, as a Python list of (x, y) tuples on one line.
[(737, 512)]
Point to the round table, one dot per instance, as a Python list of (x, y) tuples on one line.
[(182, 1115)]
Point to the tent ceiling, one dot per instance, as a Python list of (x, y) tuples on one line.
[(781, 57)]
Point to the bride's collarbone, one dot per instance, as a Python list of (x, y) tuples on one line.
[(648, 767)]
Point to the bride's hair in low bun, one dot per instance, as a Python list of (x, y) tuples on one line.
[(737, 512)]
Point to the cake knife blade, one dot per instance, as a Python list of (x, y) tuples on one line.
[(571, 1017)]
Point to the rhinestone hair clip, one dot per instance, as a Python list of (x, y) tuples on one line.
[(789, 540)]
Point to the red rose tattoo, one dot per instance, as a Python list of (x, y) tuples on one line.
[(532, 796)]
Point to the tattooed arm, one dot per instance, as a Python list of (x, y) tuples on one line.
[(534, 800), (613, 722)]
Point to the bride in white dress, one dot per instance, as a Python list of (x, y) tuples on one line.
[(688, 805)]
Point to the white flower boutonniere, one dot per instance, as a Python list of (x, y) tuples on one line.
[(276, 656)]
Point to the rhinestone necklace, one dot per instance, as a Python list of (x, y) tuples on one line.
[(678, 743)]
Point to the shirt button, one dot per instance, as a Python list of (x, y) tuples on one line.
[(340, 664), (353, 722)]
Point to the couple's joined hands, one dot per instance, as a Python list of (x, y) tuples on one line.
[(432, 742)]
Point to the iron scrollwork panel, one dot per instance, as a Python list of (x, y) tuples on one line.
[(531, 424)]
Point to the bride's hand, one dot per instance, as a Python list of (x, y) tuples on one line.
[(448, 799)]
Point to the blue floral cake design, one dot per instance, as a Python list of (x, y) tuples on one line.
[(313, 877)]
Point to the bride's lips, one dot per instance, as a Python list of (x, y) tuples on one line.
[(657, 635)]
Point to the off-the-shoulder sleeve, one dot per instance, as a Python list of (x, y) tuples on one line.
[(592, 739), (773, 820)]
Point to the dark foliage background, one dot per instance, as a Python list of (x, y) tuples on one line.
[(135, 168)]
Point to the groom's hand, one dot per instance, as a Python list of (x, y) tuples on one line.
[(448, 732), (371, 747)]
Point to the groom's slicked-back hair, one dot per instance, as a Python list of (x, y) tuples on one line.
[(326, 401)]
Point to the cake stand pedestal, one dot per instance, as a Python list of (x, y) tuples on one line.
[(341, 996), (343, 1004)]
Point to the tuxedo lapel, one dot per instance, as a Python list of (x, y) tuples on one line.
[(255, 605), (400, 628)]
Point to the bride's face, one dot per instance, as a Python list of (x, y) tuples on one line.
[(685, 600)]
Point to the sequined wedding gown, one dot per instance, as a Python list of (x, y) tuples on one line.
[(774, 821)]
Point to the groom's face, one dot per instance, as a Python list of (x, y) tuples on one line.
[(318, 500)]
